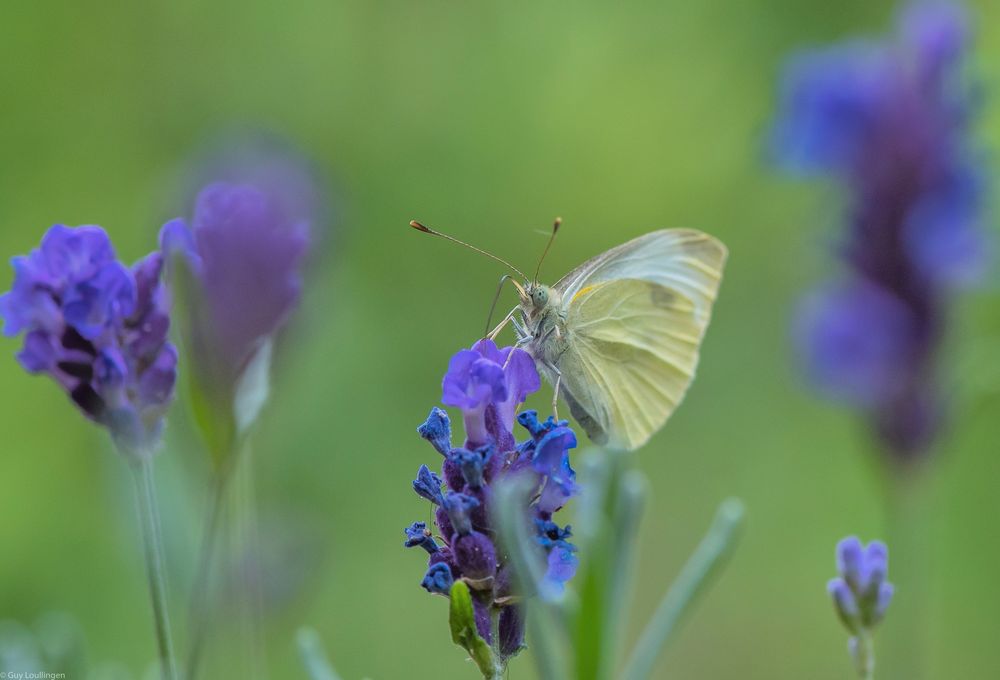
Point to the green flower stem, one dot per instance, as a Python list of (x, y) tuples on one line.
[(149, 518), (865, 656), (906, 635), (198, 607), (693, 579)]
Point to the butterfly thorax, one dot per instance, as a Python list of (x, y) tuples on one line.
[(544, 324)]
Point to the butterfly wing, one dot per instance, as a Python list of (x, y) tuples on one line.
[(635, 318)]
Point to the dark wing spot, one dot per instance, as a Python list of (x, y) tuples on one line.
[(661, 297), (587, 421)]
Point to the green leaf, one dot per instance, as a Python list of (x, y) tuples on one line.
[(462, 619), (704, 564), (253, 387), (546, 612), (313, 656)]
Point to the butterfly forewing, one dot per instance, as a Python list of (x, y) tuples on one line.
[(634, 319)]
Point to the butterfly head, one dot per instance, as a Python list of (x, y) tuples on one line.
[(538, 295)]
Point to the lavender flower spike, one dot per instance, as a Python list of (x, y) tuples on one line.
[(889, 120), (240, 254), (245, 253), (488, 383), (99, 329), (861, 595)]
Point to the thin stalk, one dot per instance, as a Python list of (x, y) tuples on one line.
[(864, 655), (198, 609), (248, 556), (693, 579), (149, 519), (906, 635)]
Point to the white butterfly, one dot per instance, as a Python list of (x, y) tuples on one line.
[(619, 335)]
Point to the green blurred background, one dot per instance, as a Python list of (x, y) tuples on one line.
[(486, 120)]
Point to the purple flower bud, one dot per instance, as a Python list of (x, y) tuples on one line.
[(438, 579), (882, 600), (417, 535), (845, 603), (472, 464), (437, 430), (850, 560), (428, 485), (459, 507), (861, 594), (476, 557)]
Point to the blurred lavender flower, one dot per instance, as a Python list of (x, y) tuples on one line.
[(97, 328), (861, 595), (488, 384), (245, 252), (242, 253), (889, 120)]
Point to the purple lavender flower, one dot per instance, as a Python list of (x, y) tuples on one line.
[(245, 252), (889, 120), (98, 328), (488, 384), (861, 595)]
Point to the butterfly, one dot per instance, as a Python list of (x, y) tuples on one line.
[(619, 336)]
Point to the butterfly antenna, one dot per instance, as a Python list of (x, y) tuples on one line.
[(427, 230), (493, 307), (555, 229)]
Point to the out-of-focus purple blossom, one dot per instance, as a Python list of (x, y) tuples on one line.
[(245, 252), (889, 119), (487, 384), (98, 328), (861, 594), (270, 163)]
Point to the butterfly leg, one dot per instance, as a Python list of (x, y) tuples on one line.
[(500, 326), (555, 391), (523, 335)]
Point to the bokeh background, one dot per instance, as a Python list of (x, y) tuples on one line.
[(486, 120)]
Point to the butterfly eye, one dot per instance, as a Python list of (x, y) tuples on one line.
[(539, 296)]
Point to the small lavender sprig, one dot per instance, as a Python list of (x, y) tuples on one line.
[(99, 329), (861, 595)]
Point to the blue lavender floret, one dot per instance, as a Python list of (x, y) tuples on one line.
[(98, 328), (487, 384), (889, 120), (861, 595)]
